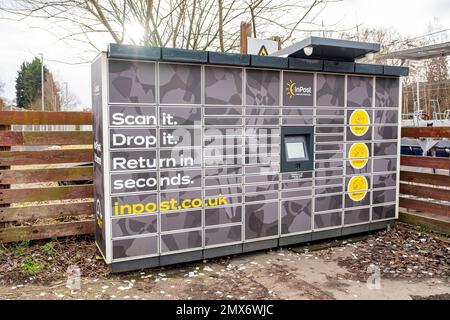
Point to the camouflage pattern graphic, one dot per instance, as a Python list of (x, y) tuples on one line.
[(328, 156), (261, 188), (181, 241), (325, 129), (179, 84), (330, 90), (295, 185), (330, 112), (180, 220), (181, 116), (386, 116), (329, 164), (223, 86), (384, 180), (383, 212), (223, 171), (223, 111), (295, 215), (296, 193), (332, 121), (352, 137), (223, 121), (329, 147), (249, 111), (327, 190), (356, 216), (261, 220), (325, 182), (262, 88), (330, 138), (385, 132), (385, 149), (132, 226), (223, 215), (387, 92), (223, 235), (326, 220), (384, 165), (328, 203), (223, 190), (381, 196), (142, 116), (131, 82), (329, 173), (261, 197), (262, 121), (141, 246), (261, 178), (220, 181), (262, 149), (359, 92), (350, 203), (298, 89), (296, 121)]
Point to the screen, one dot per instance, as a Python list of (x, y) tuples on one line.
[(295, 150)]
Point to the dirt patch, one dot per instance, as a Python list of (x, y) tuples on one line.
[(401, 252), (332, 273), (46, 262)]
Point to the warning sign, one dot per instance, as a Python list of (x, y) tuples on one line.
[(359, 122), (357, 151), (261, 47), (357, 188), (263, 51)]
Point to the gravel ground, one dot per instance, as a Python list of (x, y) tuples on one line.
[(413, 265)]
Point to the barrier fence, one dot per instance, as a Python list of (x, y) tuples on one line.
[(46, 186)]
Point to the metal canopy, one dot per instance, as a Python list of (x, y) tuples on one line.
[(427, 52), (329, 49)]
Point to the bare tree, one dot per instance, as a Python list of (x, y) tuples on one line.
[(192, 24)]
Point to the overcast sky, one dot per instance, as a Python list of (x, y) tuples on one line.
[(18, 42)]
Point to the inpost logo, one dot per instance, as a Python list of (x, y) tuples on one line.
[(293, 90)]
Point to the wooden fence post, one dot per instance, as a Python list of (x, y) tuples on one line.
[(3, 186), (246, 31), (278, 40)]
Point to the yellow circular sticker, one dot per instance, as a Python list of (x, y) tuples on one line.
[(359, 122), (358, 150), (357, 187)]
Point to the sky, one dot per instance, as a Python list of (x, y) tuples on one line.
[(19, 42)]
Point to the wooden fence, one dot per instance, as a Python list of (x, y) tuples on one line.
[(39, 197), (422, 187), (43, 208)]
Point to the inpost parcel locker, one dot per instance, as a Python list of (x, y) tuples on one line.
[(203, 154)]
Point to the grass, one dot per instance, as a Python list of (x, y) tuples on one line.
[(49, 249), (31, 266), (21, 247), (67, 218)]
